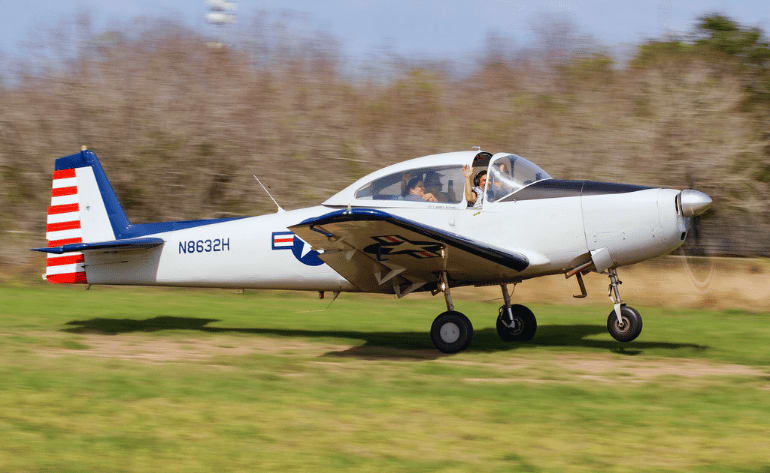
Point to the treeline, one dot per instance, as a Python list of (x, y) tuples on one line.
[(181, 124)]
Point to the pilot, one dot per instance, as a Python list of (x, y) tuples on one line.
[(416, 191), (496, 190), (474, 193)]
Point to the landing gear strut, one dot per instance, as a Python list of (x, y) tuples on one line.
[(514, 322), (624, 322), (451, 331)]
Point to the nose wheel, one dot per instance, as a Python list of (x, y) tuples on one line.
[(628, 327), (624, 322)]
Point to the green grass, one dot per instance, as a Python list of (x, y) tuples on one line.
[(201, 380)]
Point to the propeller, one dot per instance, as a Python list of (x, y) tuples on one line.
[(694, 206)]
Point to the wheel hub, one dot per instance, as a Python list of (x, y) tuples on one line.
[(516, 325), (511, 324), (449, 332)]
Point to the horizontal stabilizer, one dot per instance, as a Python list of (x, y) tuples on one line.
[(116, 245)]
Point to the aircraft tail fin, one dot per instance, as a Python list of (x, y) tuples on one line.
[(84, 209)]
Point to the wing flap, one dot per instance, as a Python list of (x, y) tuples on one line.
[(367, 275)]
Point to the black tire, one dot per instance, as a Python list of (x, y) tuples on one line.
[(632, 324), (525, 328), (451, 332)]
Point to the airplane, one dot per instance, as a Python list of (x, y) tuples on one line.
[(405, 228)]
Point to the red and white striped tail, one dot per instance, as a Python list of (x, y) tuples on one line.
[(62, 228)]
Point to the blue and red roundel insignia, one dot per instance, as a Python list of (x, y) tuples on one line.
[(290, 241)]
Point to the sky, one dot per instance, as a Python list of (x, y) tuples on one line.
[(420, 28)]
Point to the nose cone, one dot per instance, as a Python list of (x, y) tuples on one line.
[(693, 202)]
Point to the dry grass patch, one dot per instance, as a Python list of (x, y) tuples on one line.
[(159, 350), (606, 369)]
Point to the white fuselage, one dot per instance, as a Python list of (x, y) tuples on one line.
[(556, 234)]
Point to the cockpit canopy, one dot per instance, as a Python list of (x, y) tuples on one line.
[(439, 180), (508, 173), (433, 184)]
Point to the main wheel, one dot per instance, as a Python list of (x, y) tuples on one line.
[(451, 332), (525, 324), (629, 329)]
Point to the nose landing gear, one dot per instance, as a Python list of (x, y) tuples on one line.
[(624, 322)]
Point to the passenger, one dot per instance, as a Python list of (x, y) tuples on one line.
[(416, 191), (433, 186), (474, 194)]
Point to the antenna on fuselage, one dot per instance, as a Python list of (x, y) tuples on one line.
[(268, 193)]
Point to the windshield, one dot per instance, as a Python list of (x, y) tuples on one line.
[(442, 184), (509, 173)]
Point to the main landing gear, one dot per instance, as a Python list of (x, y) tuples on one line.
[(451, 332), (624, 322), (514, 322)]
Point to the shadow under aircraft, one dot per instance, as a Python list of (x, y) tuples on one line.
[(381, 344)]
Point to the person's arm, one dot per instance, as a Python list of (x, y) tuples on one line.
[(470, 196)]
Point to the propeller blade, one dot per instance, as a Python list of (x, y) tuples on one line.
[(698, 265)]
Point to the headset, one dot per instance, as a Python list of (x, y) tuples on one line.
[(477, 179)]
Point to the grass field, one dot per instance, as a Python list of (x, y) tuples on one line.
[(201, 380)]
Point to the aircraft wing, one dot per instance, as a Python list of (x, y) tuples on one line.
[(380, 252)]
